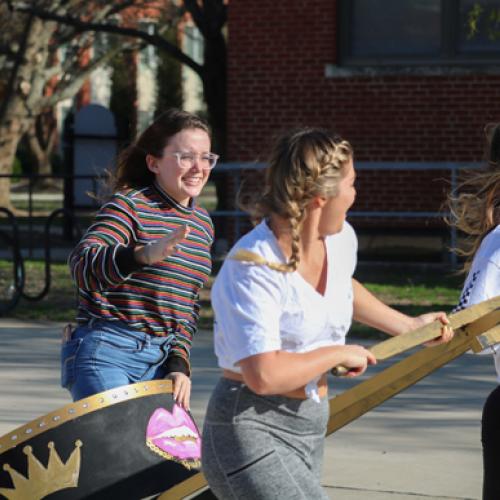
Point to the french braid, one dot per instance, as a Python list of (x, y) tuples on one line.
[(304, 164)]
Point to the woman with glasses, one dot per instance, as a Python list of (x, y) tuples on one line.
[(141, 264), (476, 212)]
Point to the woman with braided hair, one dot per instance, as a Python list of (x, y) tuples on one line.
[(283, 303), (476, 212)]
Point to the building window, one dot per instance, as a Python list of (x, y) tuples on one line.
[(193, 43), (148, 53), (405, 32)]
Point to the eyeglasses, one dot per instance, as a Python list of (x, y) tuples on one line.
[(187, 160)]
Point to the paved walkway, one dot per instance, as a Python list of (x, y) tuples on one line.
[(421, 445)]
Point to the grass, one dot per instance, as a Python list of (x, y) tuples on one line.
[(411, 292), (59, 304), (41, 208)]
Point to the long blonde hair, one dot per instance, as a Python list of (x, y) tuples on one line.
[(475, 205), (304, 163)]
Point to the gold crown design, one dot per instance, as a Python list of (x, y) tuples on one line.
[(43, 481)]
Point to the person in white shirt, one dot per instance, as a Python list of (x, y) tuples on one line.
[(476, 212), (283, 302)]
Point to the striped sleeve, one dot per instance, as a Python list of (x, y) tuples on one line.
[(178, 359), (93, 262), (201, 238)]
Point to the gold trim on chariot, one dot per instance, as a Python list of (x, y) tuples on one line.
[(82, 407)]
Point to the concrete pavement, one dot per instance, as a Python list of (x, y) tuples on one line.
[(423, 444)]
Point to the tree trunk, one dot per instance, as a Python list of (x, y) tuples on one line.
[(214, 88), (15, 115), (11, 131), (41, 137)]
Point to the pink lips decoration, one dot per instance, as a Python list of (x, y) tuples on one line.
[(174, 436)]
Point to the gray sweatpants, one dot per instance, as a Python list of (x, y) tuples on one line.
[(263, 447)]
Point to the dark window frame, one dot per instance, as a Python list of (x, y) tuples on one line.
[(447, 56)]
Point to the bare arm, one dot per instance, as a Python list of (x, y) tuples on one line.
[(373, 312), (278, 372)]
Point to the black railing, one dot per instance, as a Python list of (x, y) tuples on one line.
[(11, 239), (14, 287)]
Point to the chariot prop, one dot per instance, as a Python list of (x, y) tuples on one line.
[(476, 328), (470, 319), (129, 442)]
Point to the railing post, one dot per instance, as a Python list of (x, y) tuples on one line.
[(69, 180), (237, 225), (30, 214), (453, 229)]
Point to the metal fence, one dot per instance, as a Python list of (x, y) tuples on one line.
[(236, 170), (10, 230)]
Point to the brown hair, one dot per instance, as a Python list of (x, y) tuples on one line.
[(304, 163), (132, 170), (475, 205)]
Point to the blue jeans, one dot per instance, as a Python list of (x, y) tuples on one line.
[(102, 355)]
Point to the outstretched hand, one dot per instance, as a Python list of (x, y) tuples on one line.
[(446, 330), (157, 250)]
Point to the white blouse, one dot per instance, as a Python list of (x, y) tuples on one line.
[(258, 309), (483, 280)]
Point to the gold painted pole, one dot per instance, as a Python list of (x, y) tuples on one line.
[(187, 487), (355, 402), (479, 320), (401, 343)]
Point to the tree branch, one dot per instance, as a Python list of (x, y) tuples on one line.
[(209, 17), (152, 39), (15, 70), (65, 90)]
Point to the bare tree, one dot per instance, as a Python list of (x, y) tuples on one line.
[(35, 76), (209, 16), (42, 63)]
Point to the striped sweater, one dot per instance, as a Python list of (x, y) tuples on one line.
[(159, 299)]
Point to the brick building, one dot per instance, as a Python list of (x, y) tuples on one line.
[(402, 80)]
